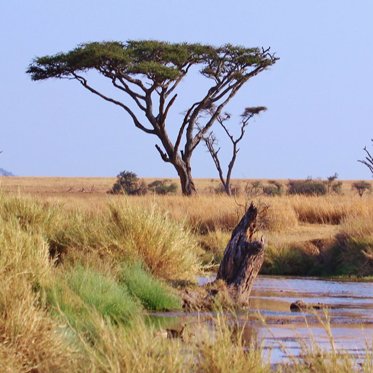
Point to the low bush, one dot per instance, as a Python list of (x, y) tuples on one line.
[(362, 187), (235, 189), (337, 187), (255, 188), (274, 188), (307, 187), (128, 183), (162, 187)]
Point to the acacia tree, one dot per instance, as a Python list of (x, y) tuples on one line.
[(211, 143), (148, 73), (368, 161)]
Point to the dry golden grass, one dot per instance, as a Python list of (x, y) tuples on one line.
[(36, 337), (82, 186), (29, 339), (291, 224), (287, 216)]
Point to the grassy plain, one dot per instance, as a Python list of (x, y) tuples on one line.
[(80, 270), (327, 235)]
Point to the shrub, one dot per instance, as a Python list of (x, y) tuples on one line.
[(162, 187), (337, 187), (152, 293), (235, 189), (128, 183), (254, 188), (307, 187), (273, 189), (362, 187), (332, 184)]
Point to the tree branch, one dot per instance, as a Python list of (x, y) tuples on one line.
[(137, 123), (368, 160), (163, 154)]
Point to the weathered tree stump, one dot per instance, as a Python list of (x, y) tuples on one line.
[(243, 258)]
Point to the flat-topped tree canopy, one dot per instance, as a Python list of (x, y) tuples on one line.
[(148, 72)]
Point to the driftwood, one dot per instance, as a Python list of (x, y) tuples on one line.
[(243, 258)]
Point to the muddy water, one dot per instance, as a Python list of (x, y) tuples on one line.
[(282, 332), (350, 315)]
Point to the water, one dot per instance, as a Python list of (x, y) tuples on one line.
[(349, 313), (282, 332)]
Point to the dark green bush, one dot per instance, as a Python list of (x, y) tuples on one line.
[(162, 187), (307, 187), (128, 183)]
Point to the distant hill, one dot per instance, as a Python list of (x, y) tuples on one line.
[(5, 172)]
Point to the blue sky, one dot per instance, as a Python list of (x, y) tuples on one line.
[(319, 95)]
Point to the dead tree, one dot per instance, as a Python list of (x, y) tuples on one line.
[(368, 161), (243, 258), (211, 143)]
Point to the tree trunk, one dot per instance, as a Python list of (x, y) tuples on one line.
[(227, 189), (243, 258), (241, 263), (186, 181)]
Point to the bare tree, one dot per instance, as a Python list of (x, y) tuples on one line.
[(368, 161), (211, 143)]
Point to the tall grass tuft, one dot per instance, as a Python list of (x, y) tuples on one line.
[(29, 339), (166, 247), (224, 349), (116, 232)]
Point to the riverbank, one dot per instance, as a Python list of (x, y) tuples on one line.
[(79, 278)]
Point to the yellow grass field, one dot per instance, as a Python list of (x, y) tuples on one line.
[(100, 185), (293, 225)]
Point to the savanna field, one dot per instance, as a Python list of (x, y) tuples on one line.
[(81, 270)]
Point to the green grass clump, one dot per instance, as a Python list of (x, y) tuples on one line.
[(152, 293), (103, 294), (81, 296)]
